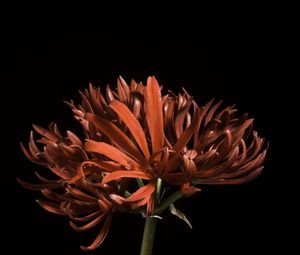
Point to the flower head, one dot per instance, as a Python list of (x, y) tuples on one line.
[(135, 138)]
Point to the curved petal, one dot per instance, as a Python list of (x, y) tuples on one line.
[(115, 135), (187, 134), (39, 186), (153, 107), (142, 193), (100, 237), (125, 174), (109, 151), (89, 225), (133, 125), (50, 207), (48, 134)]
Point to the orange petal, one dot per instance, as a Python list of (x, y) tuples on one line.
[(187, 190), (50, 207), (223, 181), (154, 114), (125, 174), (38, 187), (212, 111), (30, 157), (74, 138), (133, 125), (150, 204), (116, 135), (89, 225), (80, 194), (48, 134), (142, 193), (84, 218), (181, 117), (123, 90), (187, 134), (100, 237), (109, 151)]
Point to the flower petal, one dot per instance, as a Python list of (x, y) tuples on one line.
[(133, 125), (50, 207), (153, 107), (48, 134), (125, 174), (109, 151), (100, 237), (182, 115), (38, 187), (142, 193), (222, 181), (187, 134), (74, 138), (35, 159), (115, 135), (123, 90), (80, 194), (84, 218), (89, 225)]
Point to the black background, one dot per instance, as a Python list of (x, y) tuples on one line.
[(212, 50)]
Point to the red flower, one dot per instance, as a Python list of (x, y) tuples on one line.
[(135, 138)]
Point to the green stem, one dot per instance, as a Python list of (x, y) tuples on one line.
[(158, 189), (148, 236), (140, 182), (168, 201), (150, 224)]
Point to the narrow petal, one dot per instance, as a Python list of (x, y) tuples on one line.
[(123, 90), (153, 107), (50, 207), (84, 218), (187, 134), (80, 194), (50, 135), (133, 125), (109, 151), (212, 111), (46, 180), (89, 225), (180, 119), (203, 111), (54, 196), (223, 181), (100, 237), (74, 138), (150, 204), (142, 192), (32, 146), (125, 174), (30, 157), (187, 190), (85, 102), (105, 165), (103, 206), (38, 187), (116, 135)]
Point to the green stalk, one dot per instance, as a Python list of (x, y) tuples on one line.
[(168, 201), (151, 222), (148, 236), (140, 182), (158, 189)]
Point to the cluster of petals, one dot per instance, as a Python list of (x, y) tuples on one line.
[(131, 134)]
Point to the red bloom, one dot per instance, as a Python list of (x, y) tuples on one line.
[(136, 138)]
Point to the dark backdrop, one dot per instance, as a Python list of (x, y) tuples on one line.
[(213, 51)]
